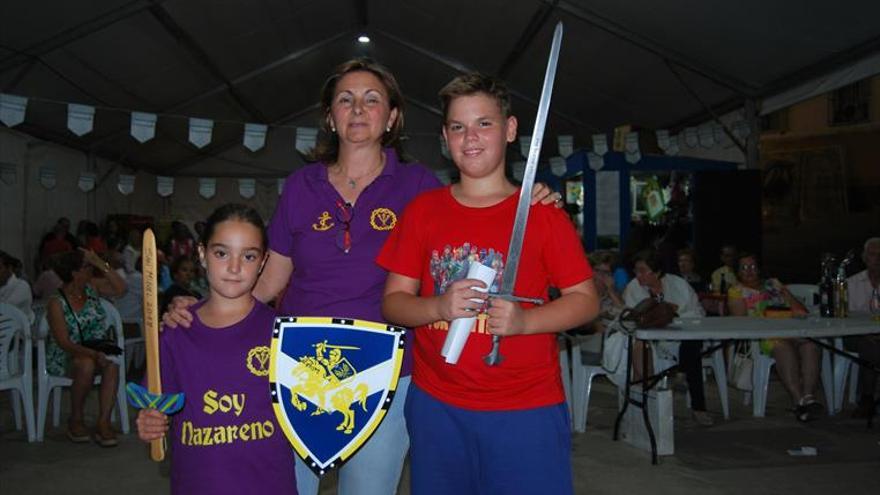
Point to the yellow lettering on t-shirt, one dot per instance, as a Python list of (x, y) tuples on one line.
[(210, 399), (223, 403), (209, 436)]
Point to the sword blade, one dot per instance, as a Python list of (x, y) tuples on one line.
[(514, 250), (151, 327)]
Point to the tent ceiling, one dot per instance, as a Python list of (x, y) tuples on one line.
[(635, 62)]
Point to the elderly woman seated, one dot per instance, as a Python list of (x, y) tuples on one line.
[(651, 281), (75, 315), (797, 360)]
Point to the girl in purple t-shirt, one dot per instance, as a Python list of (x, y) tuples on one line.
[(226, 438)]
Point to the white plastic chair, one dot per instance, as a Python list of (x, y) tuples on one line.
[(715, 362), (761, 364), (586, 364), (17, 376), (47, 383)]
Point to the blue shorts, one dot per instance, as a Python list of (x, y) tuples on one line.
[(461, 451)]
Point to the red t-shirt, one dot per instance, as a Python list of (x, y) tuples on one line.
[(435, 241)]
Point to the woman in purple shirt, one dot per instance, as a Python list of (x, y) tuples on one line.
[(330, 222)]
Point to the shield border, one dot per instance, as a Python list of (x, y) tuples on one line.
[(299, 447)]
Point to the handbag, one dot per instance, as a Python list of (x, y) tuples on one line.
[(104, 346), (741, 367), (650, 313)]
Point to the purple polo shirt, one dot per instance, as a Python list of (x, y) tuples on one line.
[(307, 226)]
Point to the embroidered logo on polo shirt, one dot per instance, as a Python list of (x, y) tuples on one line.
[(324, 222), (258, 360), (383, 219)]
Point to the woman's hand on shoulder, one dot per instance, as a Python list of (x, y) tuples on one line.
[(177, 313), (541, 193), (151, 425)]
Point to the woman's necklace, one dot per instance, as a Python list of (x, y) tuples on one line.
[(353, 182)]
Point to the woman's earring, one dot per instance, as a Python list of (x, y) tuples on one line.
[(387, 128)]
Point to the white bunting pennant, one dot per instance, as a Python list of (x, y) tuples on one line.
[(691, 138), (525, 142), (12, 109), (143, 126), (247, 188), (306, 137), (8, 173), (48, 178), (707, 136), (444, 150), (566, 145), (519, 169), (80, 118), (632, 142), (254, 136), (280, 186), (663, 139), (87, 181), (125, 184), (632, 157), (673, 148), (200, 131), (600, 144), (596, 161), (207, 187), (558, 166), (164, 186)]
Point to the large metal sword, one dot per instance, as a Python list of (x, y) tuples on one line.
[(514, 250)]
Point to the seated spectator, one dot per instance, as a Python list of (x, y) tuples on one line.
[(75, 315), (797, 360), (863, 287), (687, 266), (181, 244), (183, 271), (14, 290), (650, 281), (59, 240), (93, 238), (132, 250), (131, 303), (610, 301), (724, 277)]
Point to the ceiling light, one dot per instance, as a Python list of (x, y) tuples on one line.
[(363, 38)]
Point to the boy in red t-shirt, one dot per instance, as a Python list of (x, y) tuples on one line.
[(476, 428)]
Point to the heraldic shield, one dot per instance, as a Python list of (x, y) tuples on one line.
[(332, 382)]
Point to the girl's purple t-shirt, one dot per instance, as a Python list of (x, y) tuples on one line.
[(226, 438), (308, 227)]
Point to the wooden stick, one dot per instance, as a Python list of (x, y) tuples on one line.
[(151, 328)]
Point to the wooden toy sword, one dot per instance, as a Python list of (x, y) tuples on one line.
[(151, 328)]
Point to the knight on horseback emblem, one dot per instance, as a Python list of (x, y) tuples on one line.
[(324, 366)]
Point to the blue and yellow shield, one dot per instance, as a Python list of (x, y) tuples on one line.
[(332, 382)]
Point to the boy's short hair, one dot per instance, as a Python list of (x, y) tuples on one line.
[(471, 84)]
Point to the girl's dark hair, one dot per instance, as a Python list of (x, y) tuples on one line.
[(234, 211), (650, 258), (64, 264), (327, 148)]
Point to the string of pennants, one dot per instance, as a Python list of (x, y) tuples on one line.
[(80, 121)]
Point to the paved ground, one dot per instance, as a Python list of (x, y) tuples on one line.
[(743, 455)]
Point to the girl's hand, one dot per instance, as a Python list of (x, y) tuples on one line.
[(542, 193), (151, 425), (177, 313), (456, 301), (506, 317)]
